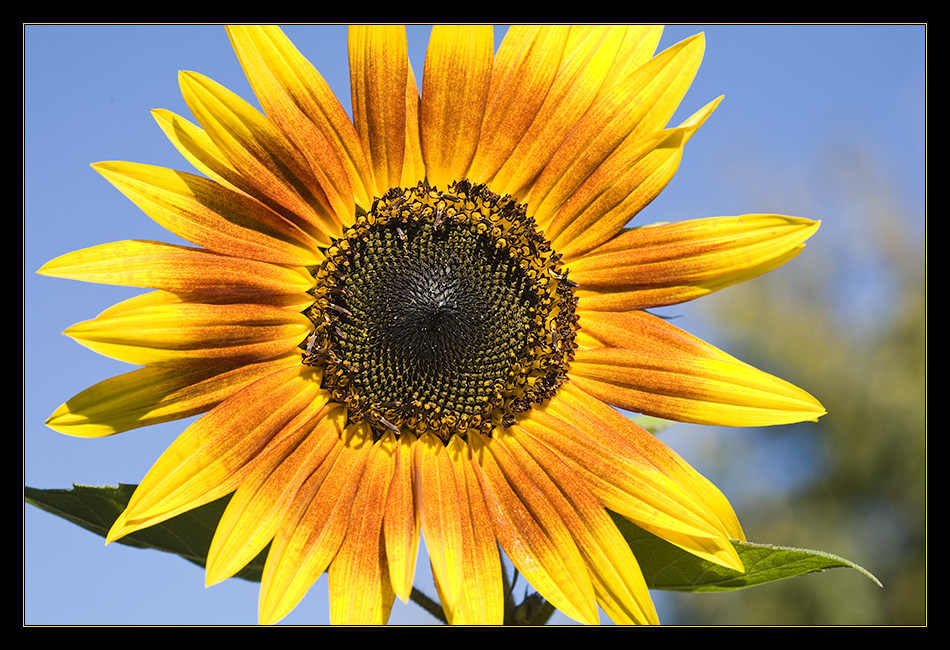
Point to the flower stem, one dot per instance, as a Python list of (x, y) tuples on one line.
[(427, 604)]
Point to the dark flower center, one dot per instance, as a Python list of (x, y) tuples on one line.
[(443, 312)]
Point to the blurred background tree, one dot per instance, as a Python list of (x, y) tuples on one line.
[(846, 320)]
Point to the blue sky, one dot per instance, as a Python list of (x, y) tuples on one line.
[(792, 94)]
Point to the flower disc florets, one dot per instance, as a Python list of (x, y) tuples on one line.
[(441, 311)]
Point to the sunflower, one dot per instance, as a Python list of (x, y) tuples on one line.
[(423, 319)]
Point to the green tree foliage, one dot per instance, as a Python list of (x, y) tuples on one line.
[(846, 320)]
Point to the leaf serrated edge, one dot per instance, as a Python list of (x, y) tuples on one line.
[(742, 547), (729, 580)]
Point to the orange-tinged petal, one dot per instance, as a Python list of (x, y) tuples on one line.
[(295, 96), (151, 332), (636, 475), (649, 366), (618, 582), (256, 511), (483, 594), (589, 59), (212, 456), (459, 533), (378, 78), (468, 576), (401, 524), (179, 269), (277, 173), (626, 438), (672, 263), (413, 163), (570, 120), (440, 506), (152, 395), (287, 575), (638, 47), (524, 69), (639, 106), (531, 531), (629, 179), (198, 149), (360, 589), (454, 90), (622, 475), (314, 529), (211, 215)]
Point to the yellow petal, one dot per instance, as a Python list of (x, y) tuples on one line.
[(312, 532), (274, 168), (152, 395), (413, 163), (360, 589), (629, 179), (636, 475), (638, 47), (459, 533), (295, 96), (179, 269), (593, 55), (672, 263), (440, 507), (649, 366), (213, 216), (171, 333), (618, 582), (198, 149), (401, 525), (454, 90), (212, 457), (631, 110), (256, 511), (480, 600), (378, 79), (524, 69), (531, 531)]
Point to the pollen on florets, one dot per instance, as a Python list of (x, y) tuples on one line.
[(441, 311)]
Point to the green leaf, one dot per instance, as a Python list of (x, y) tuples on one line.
[(669, 567), (664, 566), (96, 509)]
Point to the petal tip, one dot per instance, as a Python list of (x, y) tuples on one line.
[(119, 529), (54, 421)]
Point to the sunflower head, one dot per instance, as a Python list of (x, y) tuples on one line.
[(441, 311), (424, 316)]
